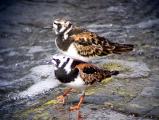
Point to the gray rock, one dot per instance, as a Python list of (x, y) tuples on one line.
[(142, 105), (150, 92), (154, 112)]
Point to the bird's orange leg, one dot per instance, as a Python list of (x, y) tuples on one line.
[(77, 107), (61, 98), (79, 116)]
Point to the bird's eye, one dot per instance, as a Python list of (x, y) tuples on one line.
[(57, 24)]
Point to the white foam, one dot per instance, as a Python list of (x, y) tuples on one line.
[(39, 88), (44, 80), (96, 26), (144, 24), (36, 49), (115, 9)]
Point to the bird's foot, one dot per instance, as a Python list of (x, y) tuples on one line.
[(74, 108), (108, 104), (61, 99), (77, 107)]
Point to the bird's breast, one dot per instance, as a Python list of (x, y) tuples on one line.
[(64, 77), (62, 44), (77, 83), (73, 52)]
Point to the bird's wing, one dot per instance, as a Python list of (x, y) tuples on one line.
[(90, 44), (77, 30), (90, 73), (87, 44)]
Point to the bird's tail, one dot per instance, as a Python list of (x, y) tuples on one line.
[(120, 48), (114, 72), (110, 73)]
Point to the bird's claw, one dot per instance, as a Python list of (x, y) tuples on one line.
[(61, 99), (74, 108)]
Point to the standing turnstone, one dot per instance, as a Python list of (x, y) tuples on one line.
[(77, 74), (82, 44)]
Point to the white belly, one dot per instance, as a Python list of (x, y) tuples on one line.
[(77, 83), (72, 52)]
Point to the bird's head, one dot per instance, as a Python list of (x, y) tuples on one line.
[(59, 60), (62, 26)]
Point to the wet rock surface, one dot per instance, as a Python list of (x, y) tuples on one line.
[(27, 84)]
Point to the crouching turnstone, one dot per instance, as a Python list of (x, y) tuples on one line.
[(82, 44), (77, 74)]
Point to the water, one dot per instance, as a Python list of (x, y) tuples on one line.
[(26, 40)]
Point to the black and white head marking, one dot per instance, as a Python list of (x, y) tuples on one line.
[(62, 26), (62, 62)]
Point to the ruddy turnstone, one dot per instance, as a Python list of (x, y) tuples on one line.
[(78, 75), (82, 44)]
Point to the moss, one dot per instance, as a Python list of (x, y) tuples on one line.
[(136, 106), (43, 116), (131, 59), (94, 89), (37, 110), (91, 90), (116, 66), (106, 81), (51, 102), (37, 113), (126, 93)]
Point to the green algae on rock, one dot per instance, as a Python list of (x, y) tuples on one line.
[(127, 69), (51, 102)]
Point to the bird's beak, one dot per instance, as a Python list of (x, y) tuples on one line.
[(49, 62), (49, 27), (54, 61)]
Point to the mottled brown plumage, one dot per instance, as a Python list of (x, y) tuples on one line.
[(90, 44), (91, 73), (87, 45)]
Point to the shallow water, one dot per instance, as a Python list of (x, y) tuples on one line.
[(27, 42)]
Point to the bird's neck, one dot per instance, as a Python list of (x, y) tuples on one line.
[(62, 41), (67, 32), (62, 44)]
